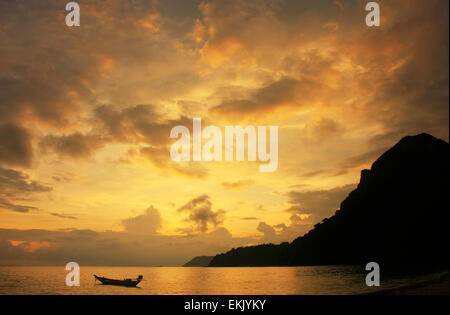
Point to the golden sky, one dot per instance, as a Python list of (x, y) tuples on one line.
[(86, 114)]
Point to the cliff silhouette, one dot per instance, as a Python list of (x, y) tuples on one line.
[(397, 216)]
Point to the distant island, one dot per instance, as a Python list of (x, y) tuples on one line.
[(199, 261), (397, 216)]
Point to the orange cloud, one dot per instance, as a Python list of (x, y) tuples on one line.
[(29, 247)]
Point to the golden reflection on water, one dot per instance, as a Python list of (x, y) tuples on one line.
[(192, 281)]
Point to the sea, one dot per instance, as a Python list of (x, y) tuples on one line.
[(200, 280)]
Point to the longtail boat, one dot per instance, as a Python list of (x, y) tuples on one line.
[(124, 282)]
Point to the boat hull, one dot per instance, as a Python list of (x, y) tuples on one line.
[(123, 283)]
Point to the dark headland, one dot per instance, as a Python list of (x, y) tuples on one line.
[(397, 216), (199, 261)]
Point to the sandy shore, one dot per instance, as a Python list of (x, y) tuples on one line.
[(438, 286)]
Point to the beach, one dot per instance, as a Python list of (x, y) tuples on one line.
[(437, 286)]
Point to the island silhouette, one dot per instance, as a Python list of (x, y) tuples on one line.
[(397, 216), (199, 261)]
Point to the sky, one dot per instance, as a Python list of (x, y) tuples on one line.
[(86, 114)]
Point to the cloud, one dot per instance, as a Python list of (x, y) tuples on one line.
[(408, 80), (67, 72), (133, 123), (339, 4), (147, 223), (298, 225), (6, 205), (139, 123), (268, 231), (363, 158), (59, 85), (75, 145), (160, 157), (396, 77), (15, 145), (234, 30), (43, 101), (318, 204), (17, 185), (201, 215), (44, 87), (63, 216), (28, 247), (241, 184), (327, 129), (142, 124), (13, 183), (283, 92), (313, 173), (88, 247)]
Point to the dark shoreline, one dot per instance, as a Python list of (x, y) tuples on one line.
[(437, 286)]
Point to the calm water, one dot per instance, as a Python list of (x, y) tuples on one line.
[(191, 281)]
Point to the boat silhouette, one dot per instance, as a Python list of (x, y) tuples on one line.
[(124, 282)]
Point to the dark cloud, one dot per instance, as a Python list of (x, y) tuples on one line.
[(17, 185), (12, 253), (29, 97), (395, 76), (318, 204), (200, 213), (147, 223), (139, 124), (61, 178), (284, 92), (378, 145), (50, 75), (133, 124), (84, 234), (298, 186), (41, 82), (75, 145), (15, 145), (87, 247), (13, 183), (268, 231), (285, 232), (343, 169), (361, 159), (313, 173), (327, 129), (241, 184), (142, 124), (63, 216), (6, 205), (410, 78)]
